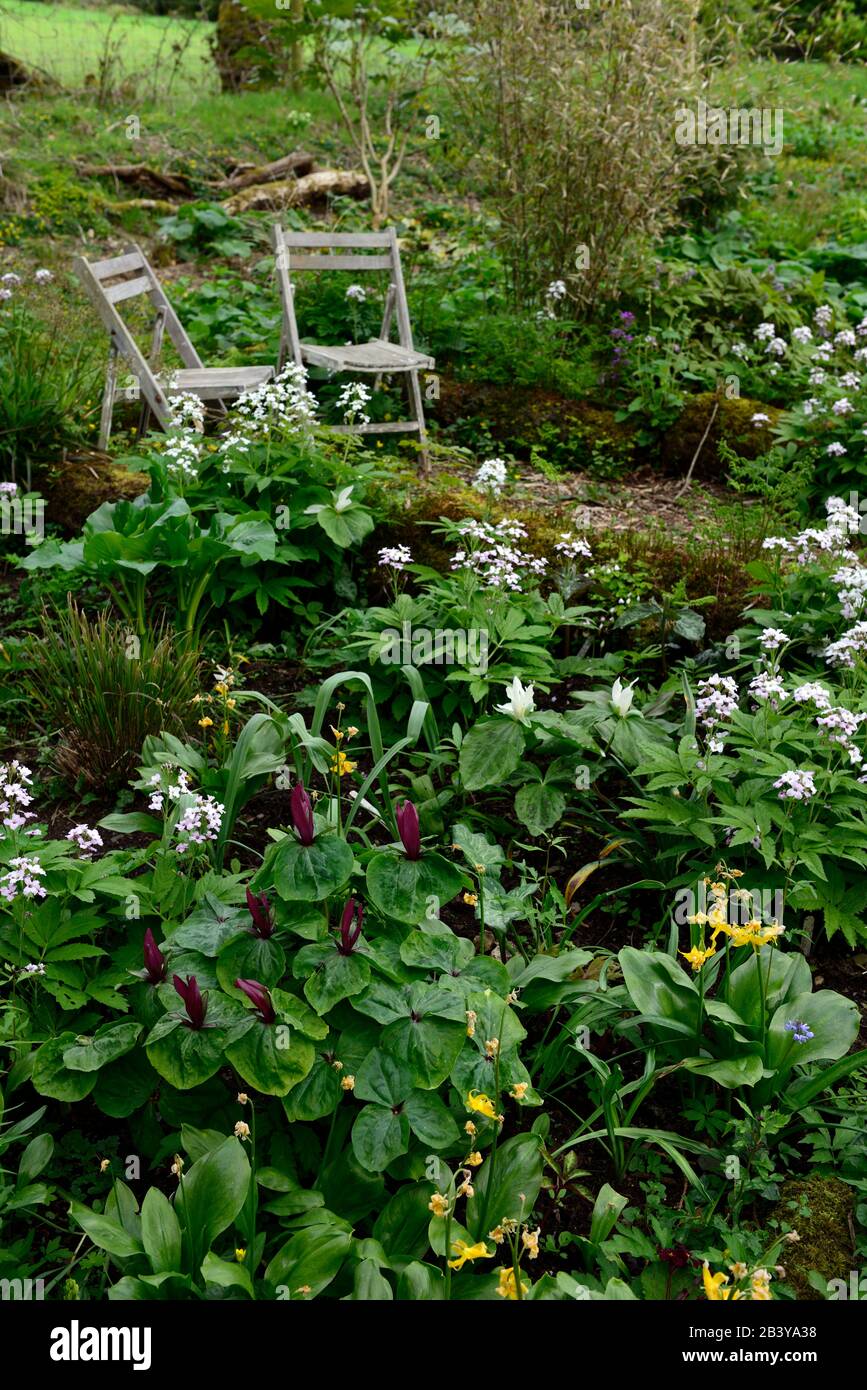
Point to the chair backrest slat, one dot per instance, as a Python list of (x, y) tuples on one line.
[(117, 265), (359, 239), (337, 262), (127, 289)]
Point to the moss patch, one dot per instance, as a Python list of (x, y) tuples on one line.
[(733, 423), (819, 1209), (74, 489)]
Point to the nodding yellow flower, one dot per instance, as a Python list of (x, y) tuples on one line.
[(243, 1097), (352, 731), (530, 1242), (507, 1285), (103, 1164), (347, 1083), (492, 1047), (760, 1286), (769, 934), (438, 1204), (698, 957), (481, 1104), (464, 1252), (716, 1286), (242, 1130), (739, 1270), (470, 899), (338, 733), (225, 726), (338, 1066), (519, 1090), (230, 704), (698, 920), (471, 1023), (473, 1159), (205, 723), (466, 1188), (221, 688), (497, 1235), (240, 1255), (341, 764), (178, 1165), (469, 1128)]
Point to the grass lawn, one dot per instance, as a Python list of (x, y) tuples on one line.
[(72, 44)]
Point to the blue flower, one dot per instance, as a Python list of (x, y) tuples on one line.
[(802, 1033)]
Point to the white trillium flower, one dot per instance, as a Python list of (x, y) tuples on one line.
[(342, 502), (622, 697), (520, 703)]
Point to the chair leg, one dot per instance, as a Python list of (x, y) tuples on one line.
[(418, 416), (108, 400)]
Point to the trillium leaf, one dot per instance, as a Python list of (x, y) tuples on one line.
[(123, 1086), (383, 1079), (539, 806), (271, 1057), (309, 873), (379, 1136), (405, 888), (248, 957), (490, 752), (106, 1046), (316, 1095), (427, 1044), (186, 1057), (430, 1121), (51, 1077), (334, 978)]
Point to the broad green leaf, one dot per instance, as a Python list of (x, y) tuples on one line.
[(160, 1232)]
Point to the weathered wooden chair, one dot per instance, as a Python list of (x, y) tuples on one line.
[(111, 282), (357, 251)]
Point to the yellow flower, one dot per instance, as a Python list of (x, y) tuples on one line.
[(242, 1130), (341, 764), (338, 1066), (243, 1097), (464, 1252), (466, 1188), (760, 1286), (104, 1163), (469, 1128), (716, 1287), (347, 1083), (481, 1104), (225, 726), (497, 1235), (530, 1242), (338, 734), (240, 1255), (698, 957), (507, 1286), (221, 688), (470, 899), (438, 1204), (519, 1090), (205, 723), (471, 1023), (492, 1047), (351, 731), (473, 1159)]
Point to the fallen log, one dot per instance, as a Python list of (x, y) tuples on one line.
[(291, 193), (141, 175), (298, 163)]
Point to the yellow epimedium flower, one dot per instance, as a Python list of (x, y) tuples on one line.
[(696, 957), (341, 764), (464, 1252), (507, 1287), (474, 1159), (481, 1104), (438, 1204)]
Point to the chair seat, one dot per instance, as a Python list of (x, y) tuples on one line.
[(373, 356), (213, 383)]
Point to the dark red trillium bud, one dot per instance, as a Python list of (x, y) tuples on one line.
[(155, 961), (407, 828), (301, 812), (195, 1002), (259, 909), (677, 1256), (350, 933), (258, 995)]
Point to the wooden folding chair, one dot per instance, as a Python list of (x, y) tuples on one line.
[(369, 251), (111, 282)]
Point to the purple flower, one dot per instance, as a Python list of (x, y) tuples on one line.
[(407, 827), (301, 812), (260, 910), (195, 1002), (258, 995), (801, 1033), (350, 930), (155, 961)]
